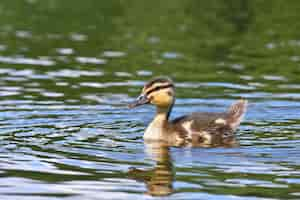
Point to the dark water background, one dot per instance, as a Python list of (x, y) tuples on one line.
[(68, 68)]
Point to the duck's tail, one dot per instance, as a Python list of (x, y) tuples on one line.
[(236, 113)]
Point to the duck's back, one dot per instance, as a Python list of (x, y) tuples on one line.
[(198, 120)]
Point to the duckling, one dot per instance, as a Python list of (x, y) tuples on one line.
[(196, 129)]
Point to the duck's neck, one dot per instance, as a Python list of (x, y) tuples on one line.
[(159, 125), (162, 115)]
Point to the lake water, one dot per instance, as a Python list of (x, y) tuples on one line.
[(69, 68)]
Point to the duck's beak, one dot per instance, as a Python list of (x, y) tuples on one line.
[(141, 100)]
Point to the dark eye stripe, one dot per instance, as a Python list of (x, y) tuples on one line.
[(159, 88)]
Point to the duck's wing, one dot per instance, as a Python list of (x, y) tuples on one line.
[(200, 121), (204, 129)]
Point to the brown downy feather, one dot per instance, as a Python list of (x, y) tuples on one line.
[(235, 113)]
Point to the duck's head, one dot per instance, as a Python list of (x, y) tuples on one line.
[(158, 91)]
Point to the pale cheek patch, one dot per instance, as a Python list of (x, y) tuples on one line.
[(161, 98), (220, 121)]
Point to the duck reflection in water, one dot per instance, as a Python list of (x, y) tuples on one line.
[(159, 180)]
